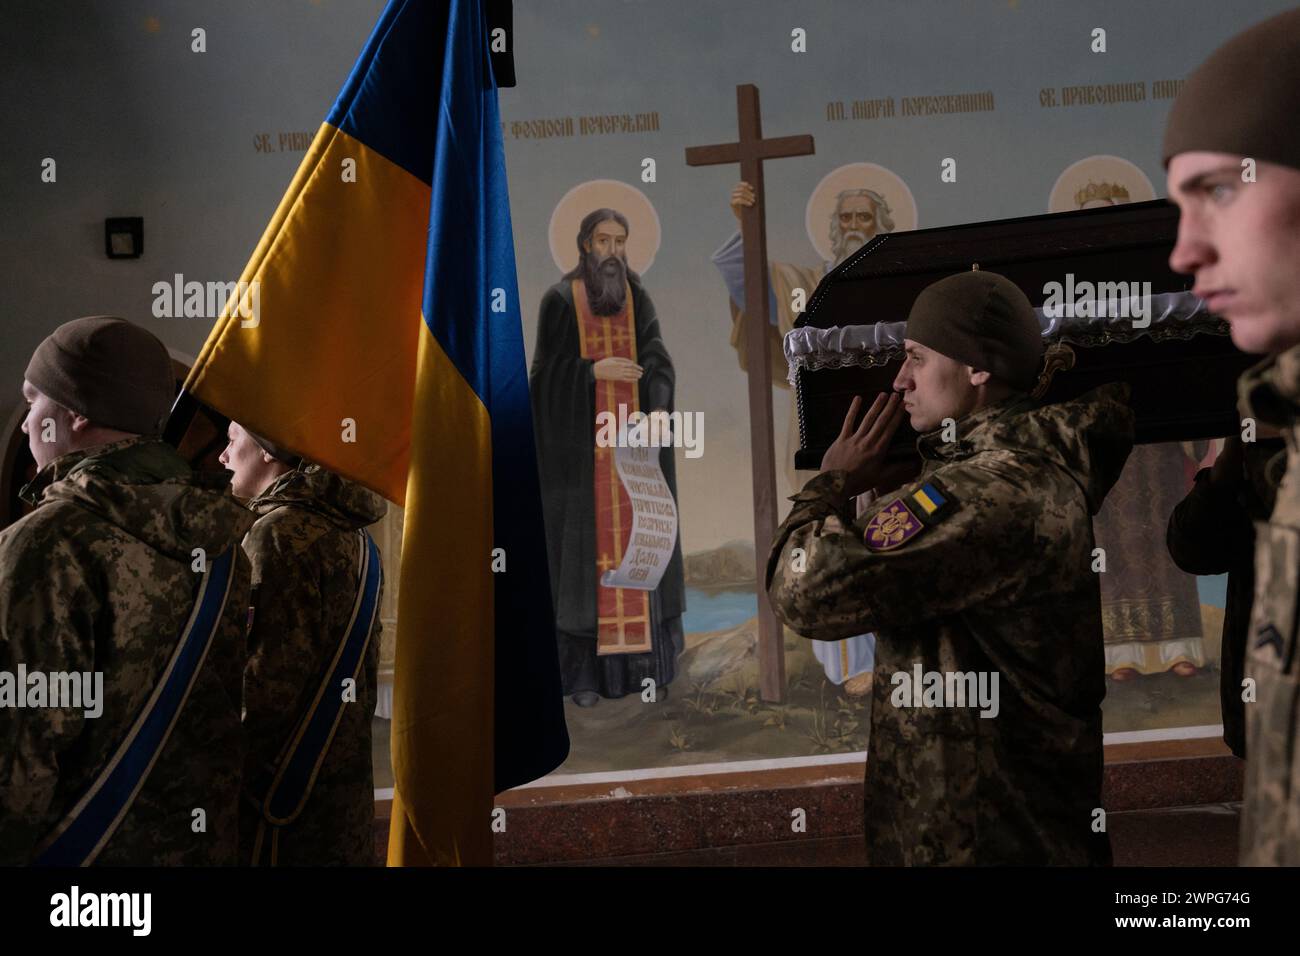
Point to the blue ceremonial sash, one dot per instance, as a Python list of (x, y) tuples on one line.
[(311, 740), (88, 826)]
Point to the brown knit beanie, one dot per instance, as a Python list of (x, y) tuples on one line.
[(983, 320), (1244, 99), (114, 373), (278, 452)]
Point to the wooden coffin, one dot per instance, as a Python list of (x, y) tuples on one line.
[(1183, 375)]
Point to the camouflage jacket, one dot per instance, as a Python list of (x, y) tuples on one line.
[(1270, 823), (979, 570), (100, 577), (305, 557)]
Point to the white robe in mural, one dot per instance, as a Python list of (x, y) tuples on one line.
[(848, 658)]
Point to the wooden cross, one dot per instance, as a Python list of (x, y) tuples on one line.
[(750, 152)]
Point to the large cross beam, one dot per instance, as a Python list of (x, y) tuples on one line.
[(749, 152)]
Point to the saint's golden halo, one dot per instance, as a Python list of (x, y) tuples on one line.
[(643, 222)]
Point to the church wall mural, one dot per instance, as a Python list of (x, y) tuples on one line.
[(1037, 123)]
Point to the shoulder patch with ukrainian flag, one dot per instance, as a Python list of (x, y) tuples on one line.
[(907, 516)]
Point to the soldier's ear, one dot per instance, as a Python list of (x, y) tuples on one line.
[(267, 457), (79, 423), (978, 378)]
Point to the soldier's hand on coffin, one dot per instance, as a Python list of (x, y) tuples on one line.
[(1229, 469), (861, 446), (616, 369), (741, 195)]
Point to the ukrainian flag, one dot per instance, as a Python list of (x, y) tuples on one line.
[(387, 345)]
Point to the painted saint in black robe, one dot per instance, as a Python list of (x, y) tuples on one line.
[(563, 394)]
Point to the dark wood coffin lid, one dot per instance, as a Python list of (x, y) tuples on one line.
[(1182, 388)]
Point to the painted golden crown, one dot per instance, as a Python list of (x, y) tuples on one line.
[(1110, 191)]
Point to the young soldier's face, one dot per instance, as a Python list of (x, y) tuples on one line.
[(247, 462), (1241, 240), (934, 387), (48, 426)]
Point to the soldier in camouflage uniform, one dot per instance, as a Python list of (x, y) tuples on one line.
[(101, 577), (982, 565), (306, 566), (1232, 152)]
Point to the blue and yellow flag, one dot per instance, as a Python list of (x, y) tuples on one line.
[(378, 333)]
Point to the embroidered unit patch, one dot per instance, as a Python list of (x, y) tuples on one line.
[(891, 526)]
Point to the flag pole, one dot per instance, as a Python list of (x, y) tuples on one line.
[(181, 417)]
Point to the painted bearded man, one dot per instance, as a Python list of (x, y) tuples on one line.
[(599, 346)]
